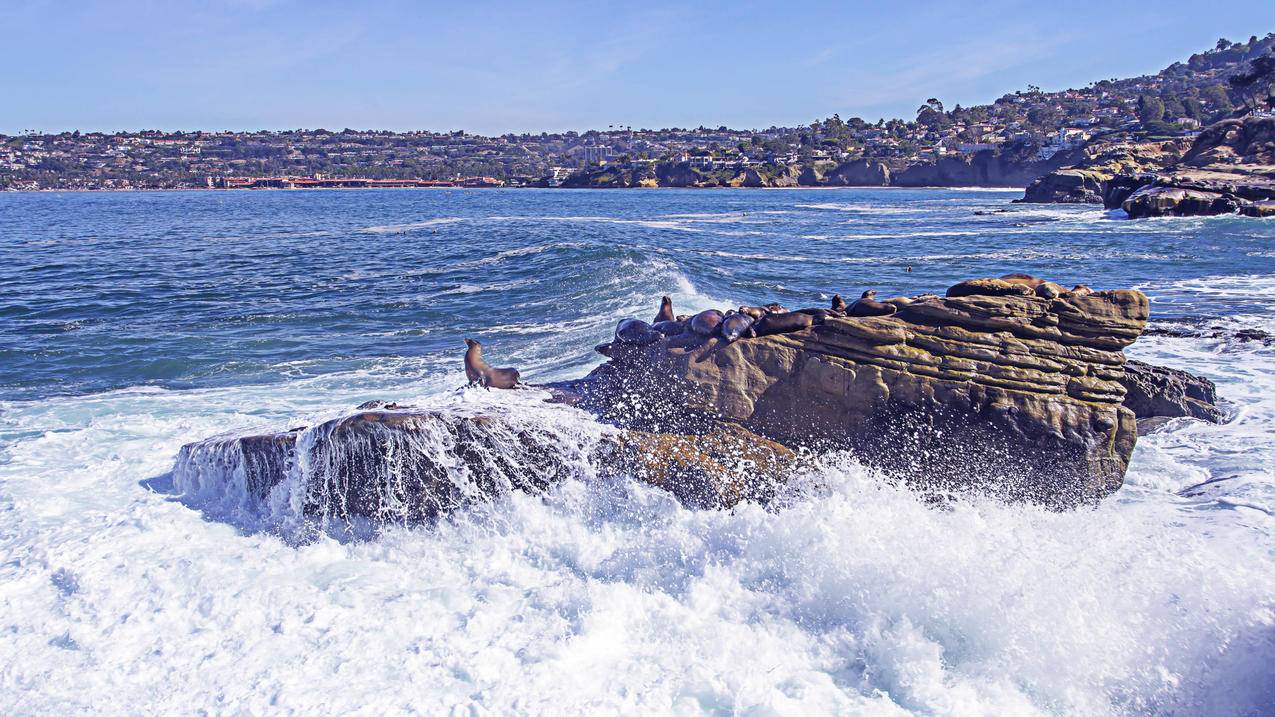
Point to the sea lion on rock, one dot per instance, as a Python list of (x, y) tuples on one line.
[(636, 331), (867, 305), (1080, 290), (706, 322), (1049, 290), (754, 311), (479, 372), (775, 308), (900, 301), (820, 315), (786, 322), (989, 287), (666, 311), (1025, 279), (736, 326), (839, 304), (669, 328)]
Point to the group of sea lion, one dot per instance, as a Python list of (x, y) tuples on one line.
[(748, 322)]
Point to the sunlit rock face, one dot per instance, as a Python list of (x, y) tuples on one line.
[(1015, 393)]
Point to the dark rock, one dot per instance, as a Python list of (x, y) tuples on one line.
[(1157, 391), (1158, 201)]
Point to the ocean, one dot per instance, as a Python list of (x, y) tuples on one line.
[(133, 323)]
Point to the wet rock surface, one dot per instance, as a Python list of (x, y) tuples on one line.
[(992, 387)]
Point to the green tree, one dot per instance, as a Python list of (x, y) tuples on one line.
[(1150, 109)]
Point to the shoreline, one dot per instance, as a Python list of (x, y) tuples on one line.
[(962, 188)]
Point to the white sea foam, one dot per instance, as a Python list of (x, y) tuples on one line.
[(411, 226), (608, 596)]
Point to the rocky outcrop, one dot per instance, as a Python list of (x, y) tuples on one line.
[(1229, 168), (1068, 186), (1014, 393), (1158, 201), (1103, 166), (991, 387), (1160, 392)]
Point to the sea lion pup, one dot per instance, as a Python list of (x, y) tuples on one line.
[(478, 372), (636, 331), (867, 305), (736, 326), (666, 311), (839, 304), (783, 323), (754, 311), (705, 323)]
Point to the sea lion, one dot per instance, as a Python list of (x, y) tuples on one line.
[(820, 315), (736, 326), (682, 317), (839, 304), (754, 311), (479, 372), (775, 308), (669, 328), (636, 331), (1081, 290), (705, 322), (666, 311), (900, 301), (867, 305), (1049, 290), (1024, 279), (786, 322)]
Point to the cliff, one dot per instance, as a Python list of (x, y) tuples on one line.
[(1228, 168)]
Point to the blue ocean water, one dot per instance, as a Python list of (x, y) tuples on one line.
[(133, 323)]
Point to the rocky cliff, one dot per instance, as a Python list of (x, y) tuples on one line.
[(1228, 168)]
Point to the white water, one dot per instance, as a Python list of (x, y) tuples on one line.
[(607, 596)]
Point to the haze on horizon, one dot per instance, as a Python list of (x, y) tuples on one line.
[(556, 66)]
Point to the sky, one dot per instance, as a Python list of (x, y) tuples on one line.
[(491, 68)]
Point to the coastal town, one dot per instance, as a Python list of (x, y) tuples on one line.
[(1031, 131)]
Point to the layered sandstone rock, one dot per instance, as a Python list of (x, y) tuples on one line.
[(990, 387), (1015, 393)]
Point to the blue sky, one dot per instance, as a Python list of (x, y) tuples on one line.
[(492, 67)]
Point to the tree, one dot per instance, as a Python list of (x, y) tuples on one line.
[(1254, 86), (1150, 109)]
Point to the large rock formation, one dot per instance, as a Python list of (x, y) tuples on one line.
[(1015, 393), (1228, 168), (1161, 392), (992, 387)]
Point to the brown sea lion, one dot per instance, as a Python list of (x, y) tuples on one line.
[(705, 322), (1049, 290), (786, 322), (666, 311), (839, 304), (819, 314), (775, 308), (1024, 279), (479, 372), (754, 311), (1081, 290), (736, 326), (867, 305)]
